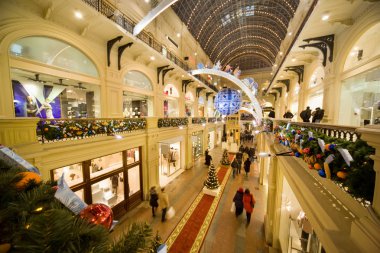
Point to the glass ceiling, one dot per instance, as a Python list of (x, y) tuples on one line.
[(244, 33)]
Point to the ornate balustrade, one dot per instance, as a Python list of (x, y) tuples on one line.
[(341, 132), (172, 122), (52, 130)]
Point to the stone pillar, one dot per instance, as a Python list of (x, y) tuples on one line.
[(329, 99), (371, 134), (152, 155), (271, 202), (189, 146)]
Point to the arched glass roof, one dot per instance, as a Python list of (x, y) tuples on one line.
[(247, 33)]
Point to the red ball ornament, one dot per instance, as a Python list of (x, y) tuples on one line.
[(319, 156), (99, 214)]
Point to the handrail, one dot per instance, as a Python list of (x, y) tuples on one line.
[(338, 131), (128, 24)]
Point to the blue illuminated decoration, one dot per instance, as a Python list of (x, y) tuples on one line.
[(228, 101)]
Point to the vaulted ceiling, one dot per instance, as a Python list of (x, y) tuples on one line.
[(244, 33)]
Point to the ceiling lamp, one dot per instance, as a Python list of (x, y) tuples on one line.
[(228, 101)]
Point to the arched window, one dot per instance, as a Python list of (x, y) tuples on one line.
[(171, 91), (189, 97), (365, 49), (136, 79), (53, 52), (317, 77)]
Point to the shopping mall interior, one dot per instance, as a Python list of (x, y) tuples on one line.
[(103, 101)]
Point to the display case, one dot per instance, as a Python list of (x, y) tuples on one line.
[(106, 164), (73, 174)]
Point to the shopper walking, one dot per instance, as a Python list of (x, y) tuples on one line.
[(234, 166), (249, 203), (238, 200), (247, 167), (153, 201), (164, 203)]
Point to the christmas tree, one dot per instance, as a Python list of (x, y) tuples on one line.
[(33, 220), (225, 160), (211, 181)]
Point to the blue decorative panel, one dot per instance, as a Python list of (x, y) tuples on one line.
[(228, 101)]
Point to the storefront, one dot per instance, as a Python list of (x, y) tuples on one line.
[(297, 234), (189, 104), (211, 138), (171, 102), (114, 180), (201, 107), (73, 93), (197, 144), (169, 160), (219, 136), (360, 90), (315, 89), (137, 104)]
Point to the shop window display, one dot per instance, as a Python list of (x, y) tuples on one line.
[(137, 105), (134, 180), (50, 97), (169, 158), (109, 191), (197, 141), (80, 194), (106, 164), (133, 155), (360, 99), (73, 174)]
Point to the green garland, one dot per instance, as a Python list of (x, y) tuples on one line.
[(52, 130), (358, 179), (201, 120), (172, 122)]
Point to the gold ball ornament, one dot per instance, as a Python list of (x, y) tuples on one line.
[(5, 247), (26, 177), (341, 174)]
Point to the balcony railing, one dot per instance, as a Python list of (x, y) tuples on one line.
[(125, 22), (52, 130)]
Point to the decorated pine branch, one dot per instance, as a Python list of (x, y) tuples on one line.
[(33, 219), (345, 162)]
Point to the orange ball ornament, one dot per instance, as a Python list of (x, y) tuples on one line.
[(26, 177), (341, 174), (327, 147), (317, 166)]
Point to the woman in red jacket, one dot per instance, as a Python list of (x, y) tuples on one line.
[(249, 203)]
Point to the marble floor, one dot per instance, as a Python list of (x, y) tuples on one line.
[(226, 233)]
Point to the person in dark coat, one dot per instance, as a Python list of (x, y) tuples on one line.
[(247, 167), (234, 166), (306, 114), (271, 114), (288, 115), (239, 159), (208, 160), (238, 200), (153, 201)]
